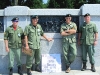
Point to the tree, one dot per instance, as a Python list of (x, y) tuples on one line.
[(15, 2), (70, 3), (53, 4), (21, 2), (79, 3), (67, 4), (50, 4), (93, 1), (4, 3), (60, 4), (34, 3)]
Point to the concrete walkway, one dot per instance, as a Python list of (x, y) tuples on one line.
[(72, 72)]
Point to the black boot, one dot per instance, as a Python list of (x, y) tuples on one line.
[(32, 68), (11, 71), (20, 70), (37, 68), (29, 71), (93, 68), (84, 67)]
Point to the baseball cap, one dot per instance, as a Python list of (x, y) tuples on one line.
[(87, 14), (15, 19), (34, 17), (68, 15)]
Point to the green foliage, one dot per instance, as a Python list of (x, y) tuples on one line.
[(93, 1), (50, 4), (20, 2), (45, 5), (79, 3), (34, 3), (70, 3), (61, 4), (53, 4), (4, 3)]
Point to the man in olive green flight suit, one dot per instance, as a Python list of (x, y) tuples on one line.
[(13, 41), (33, 33), (88, 36), (68, 32)]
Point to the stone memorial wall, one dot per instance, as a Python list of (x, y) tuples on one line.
[(50, 20)]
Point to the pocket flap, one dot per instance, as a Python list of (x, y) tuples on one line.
[(31, 30), (11, 32)]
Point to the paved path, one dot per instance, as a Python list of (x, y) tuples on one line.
[(72, 72)]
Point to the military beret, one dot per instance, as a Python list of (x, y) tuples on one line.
[(87, 14), (68, 15), (34, 17), (15, 19)]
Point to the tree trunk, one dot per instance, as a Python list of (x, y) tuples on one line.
[(15, 2)]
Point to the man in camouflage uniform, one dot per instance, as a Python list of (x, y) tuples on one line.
[(88, 36), (13, 41), (68, 32), (33, 33)]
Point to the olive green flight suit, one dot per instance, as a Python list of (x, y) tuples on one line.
[(87, 39), (34, 34), (14, 43), (69, 43)]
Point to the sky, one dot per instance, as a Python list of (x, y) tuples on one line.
[(45, 1)]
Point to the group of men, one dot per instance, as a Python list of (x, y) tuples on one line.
[(14, 37), (87, 39)]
